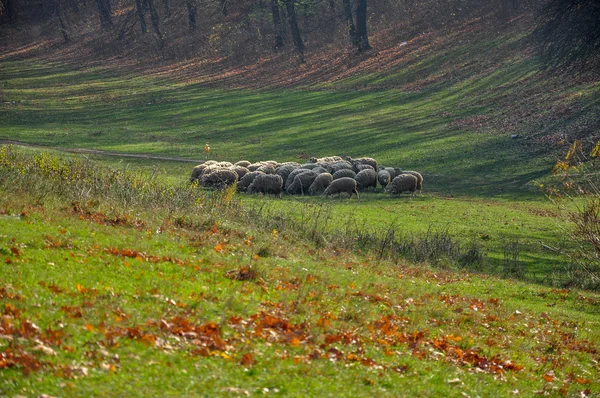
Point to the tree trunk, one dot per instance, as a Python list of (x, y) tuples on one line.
[(276, 24), (361, 26), (155, 23), (167, 8), (224, 9), (105, 14), (350, 22), (293, 22), (11, 12), (192, 13), (139, 6), (61, 23), (332, 18)]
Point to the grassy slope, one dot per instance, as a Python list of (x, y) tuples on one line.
[(430, 105), (120, 308)]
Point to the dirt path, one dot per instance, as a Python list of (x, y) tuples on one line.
[(100, 152)]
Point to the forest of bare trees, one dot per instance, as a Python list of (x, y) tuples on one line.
[(248, 28)]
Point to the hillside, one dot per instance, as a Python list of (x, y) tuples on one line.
[(447, 101)]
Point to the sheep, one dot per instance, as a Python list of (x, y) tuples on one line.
[(390, 170), (366, 178), (302, 182), (267, 169), (320, 184), (254, 166), (243, 163), (344, 173), (361, 167), (240, 171), (419, 178), (344, 184), (246, 180), (197, 172), (384, 178), (309, 166), (402, 183), (327, 159), (341, 165), (285, 170), (295, 164), (292, 175), (219, 178), (267, 184), (320, 170), (355, 162)]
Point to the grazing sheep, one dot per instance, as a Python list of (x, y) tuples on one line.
[(344, 184), (267, 169), (285, 170), (341, 165), (240, 171), (384, 178), (254, 166), (219, 178), (344, 173), (361, 167), (246, 180), (326, 159), (366, 178), (309, 166), (390, 170), (295, 164), (243, 163), (402, 183), (355, 162), (293, 175), (301, 182), (320, 184), (419, 178), (197, 172), (267, 184), (320, 170)]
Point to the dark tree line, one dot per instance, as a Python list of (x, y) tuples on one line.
[(150, 15), (568, 30)]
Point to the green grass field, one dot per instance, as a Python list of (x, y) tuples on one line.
[(118, 278), (151, 288)]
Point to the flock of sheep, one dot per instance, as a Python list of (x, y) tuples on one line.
[(323, 176)]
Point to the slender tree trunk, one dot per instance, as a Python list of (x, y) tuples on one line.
[(361, 26), (167, 7), (277, 24), (224, 9), (155, 23), (105, 14), (350, 22), (293, 22), (332, 21), (11, 12), (139, 6), (61, 23), (192, 13)]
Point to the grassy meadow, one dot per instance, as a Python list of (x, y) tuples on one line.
[(117, 282), (119, 278)]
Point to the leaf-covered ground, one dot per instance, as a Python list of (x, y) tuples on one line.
[(99, 304)]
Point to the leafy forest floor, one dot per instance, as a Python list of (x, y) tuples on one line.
[(130, 281)]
